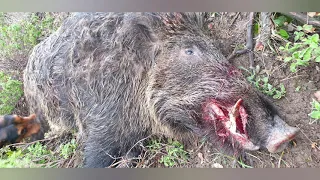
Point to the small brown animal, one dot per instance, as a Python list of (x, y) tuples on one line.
[(14, 128)]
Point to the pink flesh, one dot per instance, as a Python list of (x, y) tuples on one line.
[(234, 119)]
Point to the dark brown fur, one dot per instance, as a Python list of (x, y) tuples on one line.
[(119, 77)]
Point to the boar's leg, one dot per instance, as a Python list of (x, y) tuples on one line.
[(98, 156), (103, 152)]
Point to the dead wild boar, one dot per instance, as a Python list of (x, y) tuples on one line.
[(118, 77)]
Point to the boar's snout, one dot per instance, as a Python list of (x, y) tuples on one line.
[(280, 136)]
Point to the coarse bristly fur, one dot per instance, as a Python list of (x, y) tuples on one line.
[(119, 77)]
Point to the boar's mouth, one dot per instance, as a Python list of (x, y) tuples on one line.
[(233, 119)]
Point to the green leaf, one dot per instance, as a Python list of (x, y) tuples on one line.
[(313, 45), (280, 21), (287, 45), (299, 28), (265, 79), (317, 51), (302, 63), (307, 27), (287, 59), (317, 59), (294, 48), (293, 67), (296, 55), (315, 38), (307, 54), (256, 28), (315, 104), (301, 53), (315, 114), (283, 33), (298, 35)]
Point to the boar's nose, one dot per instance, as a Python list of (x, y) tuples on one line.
[(280, 136)]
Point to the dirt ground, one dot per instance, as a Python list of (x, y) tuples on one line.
[(230, 30)]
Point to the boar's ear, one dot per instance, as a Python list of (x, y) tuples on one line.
[(177, 21), (135, 32)]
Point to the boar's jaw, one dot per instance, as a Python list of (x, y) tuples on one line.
[(233, 120)]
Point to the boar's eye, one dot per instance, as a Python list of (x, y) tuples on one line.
[(189, 52)]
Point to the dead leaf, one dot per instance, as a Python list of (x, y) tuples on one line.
[(317, 95), (279, 58), (312, 14), (294, 143), (312, 30), (259, 46), (314, 145)]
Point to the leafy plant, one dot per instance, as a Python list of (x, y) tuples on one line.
[(262, 84), (24, 35), (68, 149), (256, 29), (283, 33), (38, 150), (304, 49), (36, 155), (281, 21), (13, 159), (173, 152), (315, 113), (10, 93), (298, 88)]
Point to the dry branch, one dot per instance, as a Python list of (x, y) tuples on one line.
[(265, 32), (249, 45), (303, 18)]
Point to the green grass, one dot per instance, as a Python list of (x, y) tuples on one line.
[(315, 111), (66, 150), (302, 45), (172, 153), (303, 50), (24, 35), (16, 39), (10, 93), (37, 155), (263, 85)]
